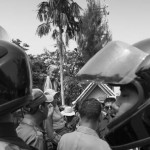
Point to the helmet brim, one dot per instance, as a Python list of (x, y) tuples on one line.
[(116, 63)]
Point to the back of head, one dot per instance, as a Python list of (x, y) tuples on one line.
[(90, 109), (15, 78)]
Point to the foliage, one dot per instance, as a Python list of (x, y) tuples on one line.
[(73, 63), (19, 43), (38, 70), (94, 30), (56, 13)]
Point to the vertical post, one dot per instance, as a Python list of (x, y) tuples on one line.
[(61, 67)]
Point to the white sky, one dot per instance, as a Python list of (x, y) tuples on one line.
[(128, 21)]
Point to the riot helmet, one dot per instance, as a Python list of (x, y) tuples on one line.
[(15, 78), (123, 65), (4, 35)]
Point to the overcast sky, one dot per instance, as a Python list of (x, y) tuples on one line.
[(128, 21)]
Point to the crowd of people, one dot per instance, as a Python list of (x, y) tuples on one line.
[(121, 123)]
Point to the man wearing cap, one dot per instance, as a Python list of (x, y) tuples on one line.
[(15, 90), (85, 137), (36, 111)]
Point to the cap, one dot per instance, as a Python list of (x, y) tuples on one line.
[(50, 93), (38, 98)]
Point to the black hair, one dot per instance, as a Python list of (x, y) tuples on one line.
[(28, 110), (90, 109), (32, 110), (78, 105), (144, 79), (129, 86)]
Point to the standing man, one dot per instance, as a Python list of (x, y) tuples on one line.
[(15, 92), (30, 129), (85, 137)]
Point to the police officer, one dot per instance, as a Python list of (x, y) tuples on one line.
[(126, 66), (15, 91)]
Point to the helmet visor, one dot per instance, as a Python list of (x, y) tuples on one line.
[(116, 63)]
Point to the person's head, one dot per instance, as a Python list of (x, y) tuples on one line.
[(15, 78), (52, 71), (90, 110), (127, 99), (107, 103), (120, 64), (38, 106), (52, 96)]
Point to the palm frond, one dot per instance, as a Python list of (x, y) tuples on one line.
[(75, 9), (42, 11), (52, 4), (63, 19), (55, 34), (55, 17), (43, 29)]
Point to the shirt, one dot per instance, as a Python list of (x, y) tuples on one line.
[(9, 139), (58, 119), (82, 139), (31, 134)]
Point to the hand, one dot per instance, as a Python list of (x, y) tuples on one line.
[(50, 110)]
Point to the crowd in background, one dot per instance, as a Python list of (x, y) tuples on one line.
[(43, 121)]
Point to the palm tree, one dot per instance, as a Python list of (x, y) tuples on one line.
[(64, 15)]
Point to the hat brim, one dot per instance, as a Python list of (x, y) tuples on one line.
[(67, 114)]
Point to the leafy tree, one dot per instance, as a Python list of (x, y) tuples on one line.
[(38, 66), (73, 62), (65, 16), (94, 30)]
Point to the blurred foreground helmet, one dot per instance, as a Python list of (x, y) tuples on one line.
[(144, 45), (121, 64), (4, 35), (15, 78)]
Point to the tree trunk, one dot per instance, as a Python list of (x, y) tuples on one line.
[(61, 68)]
